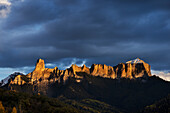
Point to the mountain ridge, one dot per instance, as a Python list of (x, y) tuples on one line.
[(131, 69)]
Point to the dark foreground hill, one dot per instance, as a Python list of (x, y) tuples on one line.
[(25, 103), (161, 106), (125, 94)]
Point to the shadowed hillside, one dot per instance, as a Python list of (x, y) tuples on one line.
[(25, 103), (125, 94), (161, 106)]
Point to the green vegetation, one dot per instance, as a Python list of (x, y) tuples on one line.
[(161, 106), (91, 105), (24, 103), (13, 102)]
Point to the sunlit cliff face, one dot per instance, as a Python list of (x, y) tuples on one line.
[(40, 74)]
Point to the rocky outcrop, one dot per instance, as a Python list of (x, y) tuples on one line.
[(41, 75), (133, 69), (12, 77), (102, 71), (18, 80), (120, 70), (38, 71)]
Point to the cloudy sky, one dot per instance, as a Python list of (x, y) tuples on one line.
[(84, 32)]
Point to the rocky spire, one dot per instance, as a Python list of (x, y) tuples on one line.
[(40, 64), (38, 71)]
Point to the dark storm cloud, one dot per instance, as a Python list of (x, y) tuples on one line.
[(101, 31), (30, 13)]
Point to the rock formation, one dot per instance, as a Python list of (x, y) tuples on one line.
[(18, 80), (102, 71), (133, 69), (43, 76)]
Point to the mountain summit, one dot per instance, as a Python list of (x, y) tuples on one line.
[(137, 60)]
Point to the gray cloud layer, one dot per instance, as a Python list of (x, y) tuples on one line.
[(101, 31)]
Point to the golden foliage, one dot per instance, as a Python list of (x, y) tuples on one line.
[(14, 110), (2, 109)]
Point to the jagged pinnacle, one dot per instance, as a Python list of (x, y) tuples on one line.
[(40, 64)]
